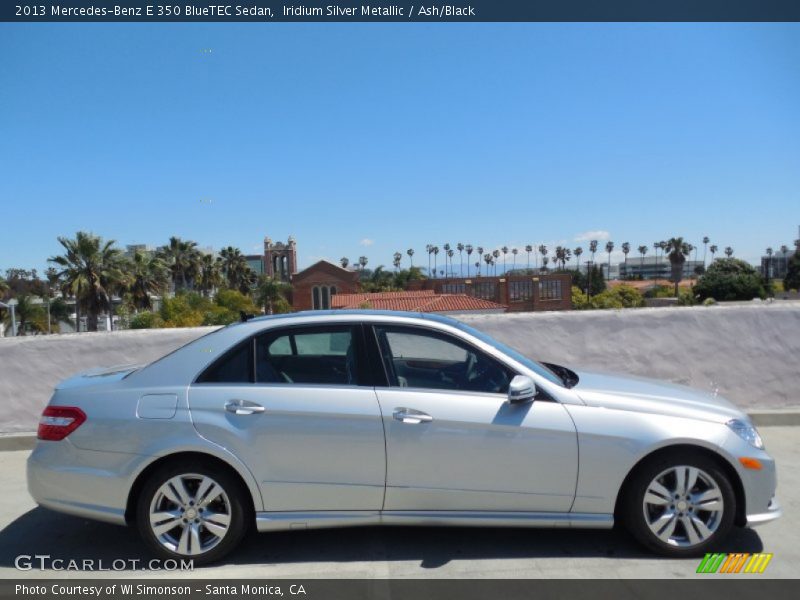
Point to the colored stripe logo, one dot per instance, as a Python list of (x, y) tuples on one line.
[(735, 562)]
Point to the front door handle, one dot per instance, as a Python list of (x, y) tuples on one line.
[(243, 407), (411, 416)]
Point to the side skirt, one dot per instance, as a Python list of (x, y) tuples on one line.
[(282, 521)]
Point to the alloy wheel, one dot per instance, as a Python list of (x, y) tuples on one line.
[(190, 514), (683, 506)]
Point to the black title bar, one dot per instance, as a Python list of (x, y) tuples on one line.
[(269, 11)]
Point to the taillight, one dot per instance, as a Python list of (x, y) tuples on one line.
[(58, 422)]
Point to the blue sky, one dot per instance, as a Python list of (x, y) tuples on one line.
[(370, 138)]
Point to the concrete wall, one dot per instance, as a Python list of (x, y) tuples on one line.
[(751, 353)]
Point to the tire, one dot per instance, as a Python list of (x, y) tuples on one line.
[(669, 520), (209, 513)]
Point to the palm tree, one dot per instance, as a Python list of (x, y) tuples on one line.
[(435, 255), (528, 250), (362, 262), (28, 315), (626, 248), (183, 260), (469, 250), (543, 252), (446, 248), (514, 252), (642, 251), (210, 277), (728, 251), (713, 249), (656, 247), (398, 258), (479, 250), (147, 276), (487, 258), (504, 250), (478, 267), (544, 263), (450, 254), (496, 256), (271, 293), (558, 254), (705, 249), (429, 250), (460, 248), (677, 251), (578, 251), (91, 269), (410, 253), (237, 272), (609, 249), (344, 261)]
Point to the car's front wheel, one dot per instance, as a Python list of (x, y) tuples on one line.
[(191, 511), (679, 505)]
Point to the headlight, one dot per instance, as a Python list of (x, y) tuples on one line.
[(746, 431)]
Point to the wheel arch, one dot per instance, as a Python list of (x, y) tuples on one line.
[(740, 517), (144, 475)]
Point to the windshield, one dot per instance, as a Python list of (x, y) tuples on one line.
[(534, 366)]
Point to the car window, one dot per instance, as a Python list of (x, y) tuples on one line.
[(235, 366), (420, 359), (318, 356)]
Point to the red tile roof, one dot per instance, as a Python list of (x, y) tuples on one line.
[(414, 301)]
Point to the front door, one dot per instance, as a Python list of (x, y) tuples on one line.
[(288, 403), (453, 441)]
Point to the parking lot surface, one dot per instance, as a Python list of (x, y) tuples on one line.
[(388, 552)]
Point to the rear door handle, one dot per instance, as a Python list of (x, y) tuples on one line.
[(411, 416), (243, 407)]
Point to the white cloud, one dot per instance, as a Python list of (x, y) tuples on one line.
[(587, 236), (366, 242)]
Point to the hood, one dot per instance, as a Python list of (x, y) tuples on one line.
[(98, 376), (655, 397)]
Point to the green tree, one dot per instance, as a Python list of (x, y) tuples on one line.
[(146, 276), (90, 269), (271, 294), (792, 279), (730, 279), (183, 260), (238, 274), (210, 275), (678, 251), (31, 317)]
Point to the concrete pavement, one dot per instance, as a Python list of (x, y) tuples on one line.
[(396, 552)]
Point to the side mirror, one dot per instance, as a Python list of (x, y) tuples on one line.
[(521, 389)]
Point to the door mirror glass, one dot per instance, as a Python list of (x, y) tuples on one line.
[(521, 389)]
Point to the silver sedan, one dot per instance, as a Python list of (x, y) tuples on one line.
[(329, 419)]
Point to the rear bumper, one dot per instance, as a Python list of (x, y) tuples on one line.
[(79, 482), (774, 511)]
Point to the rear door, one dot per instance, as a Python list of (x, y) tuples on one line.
[(296, 405)]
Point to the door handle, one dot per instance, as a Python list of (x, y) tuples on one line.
[(243, 407), (411, 416)]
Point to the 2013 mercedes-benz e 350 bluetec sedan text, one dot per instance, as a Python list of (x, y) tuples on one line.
[(329, 419)]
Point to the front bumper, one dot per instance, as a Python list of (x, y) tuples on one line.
[(774, 511)]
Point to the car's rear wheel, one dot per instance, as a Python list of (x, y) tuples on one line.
[(679, 505), (191, 511)]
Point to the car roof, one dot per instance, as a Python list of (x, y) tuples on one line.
[(367, 314)]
